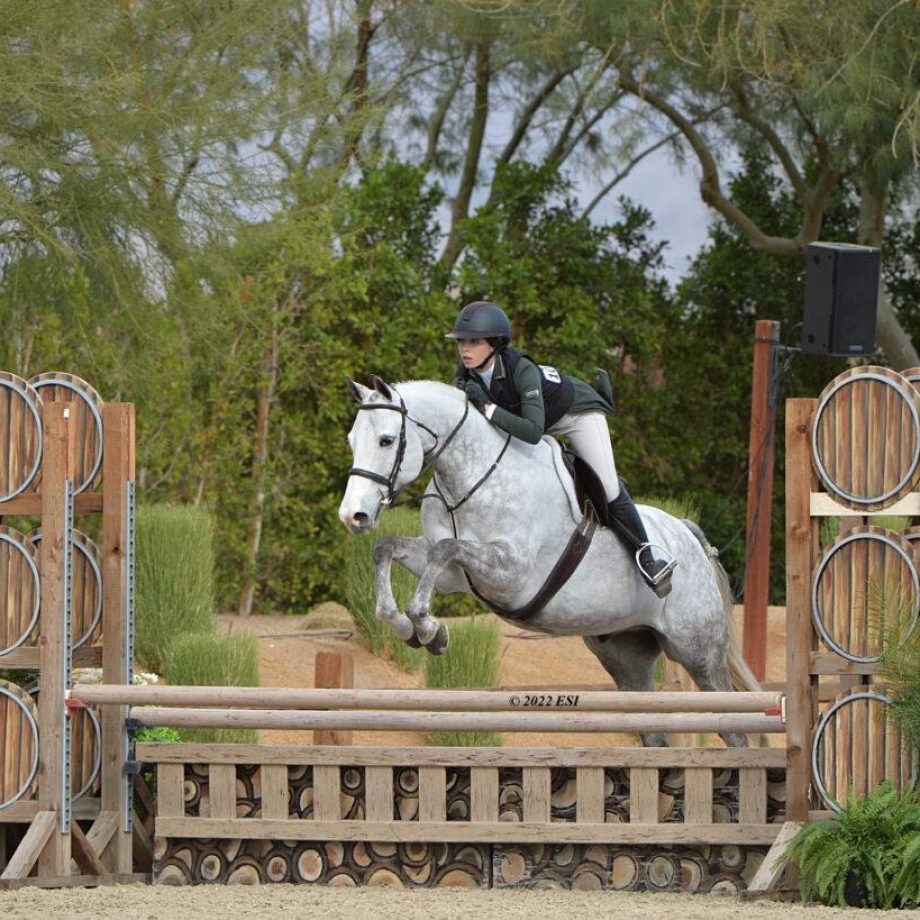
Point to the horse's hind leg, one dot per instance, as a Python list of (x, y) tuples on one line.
[(630, 658), (707, 665)]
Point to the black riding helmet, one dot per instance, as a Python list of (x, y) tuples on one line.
[(482, 320)]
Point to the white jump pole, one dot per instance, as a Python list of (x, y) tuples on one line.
[(540, 702), (369, 720)]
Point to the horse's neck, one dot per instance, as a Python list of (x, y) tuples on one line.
[(474, 446)]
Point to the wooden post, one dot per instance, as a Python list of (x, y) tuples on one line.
[(57, 466), (801, 705), (759, 499), (333, 671), (118, 471)]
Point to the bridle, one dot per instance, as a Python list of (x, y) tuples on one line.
[(389, 482)]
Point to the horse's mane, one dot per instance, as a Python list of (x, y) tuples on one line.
[(429, 388), (434, 395)]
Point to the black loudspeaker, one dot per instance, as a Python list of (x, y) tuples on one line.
[(841, 299)]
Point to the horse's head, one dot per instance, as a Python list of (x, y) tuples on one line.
[(387, 455)]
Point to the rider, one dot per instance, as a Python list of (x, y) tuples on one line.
[(528, 400)]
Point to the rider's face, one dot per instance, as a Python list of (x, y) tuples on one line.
[(473, 351)]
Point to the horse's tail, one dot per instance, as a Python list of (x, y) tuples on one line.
[(742, 676)]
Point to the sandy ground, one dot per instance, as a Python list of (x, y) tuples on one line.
[(288, 648), (138, 902), (289, 645)]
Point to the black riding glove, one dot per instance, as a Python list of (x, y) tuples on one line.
[(476, 394), (459, 383)]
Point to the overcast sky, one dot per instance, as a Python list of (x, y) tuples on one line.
[(673, 197)]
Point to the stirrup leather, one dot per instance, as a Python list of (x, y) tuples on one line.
[(669, 566)]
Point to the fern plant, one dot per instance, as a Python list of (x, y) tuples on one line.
[(893, 619), (873, 844)]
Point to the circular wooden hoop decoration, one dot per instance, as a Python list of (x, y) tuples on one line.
[(20, 600), (20, 751), (886, 540), (881, 748), (86, 586), (85, 746), (61, 387), (20, 419), (912, 375), (95, 737), (912, 535), (865, 438)]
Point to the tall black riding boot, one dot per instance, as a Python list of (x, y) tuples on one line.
[(624, 519)]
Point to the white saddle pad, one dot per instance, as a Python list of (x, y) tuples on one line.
[(565, 477)]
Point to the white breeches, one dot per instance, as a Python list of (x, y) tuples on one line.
[(590, 440)]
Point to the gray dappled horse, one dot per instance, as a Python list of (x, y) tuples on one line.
[(499, 517)]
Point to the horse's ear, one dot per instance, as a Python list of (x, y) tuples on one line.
[(381, 387), (358, 392)]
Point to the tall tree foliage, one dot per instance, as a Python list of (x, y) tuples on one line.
[(832, 85)]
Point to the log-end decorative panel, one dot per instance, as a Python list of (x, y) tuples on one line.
[(865, 438)]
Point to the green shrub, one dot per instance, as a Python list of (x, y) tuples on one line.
[(896, 522), (157, 734), (361, 593), (215, 661), (472, 660), (680, 506), (893, 618), (868, 854), (174, 582)]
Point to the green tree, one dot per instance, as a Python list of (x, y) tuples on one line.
[(830, 91), (579, 295)]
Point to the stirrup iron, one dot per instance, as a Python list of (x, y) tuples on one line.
[(670, 563)]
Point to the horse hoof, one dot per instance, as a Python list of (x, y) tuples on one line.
[(427, 630), (400, 624), (413, 641), (438, 645)]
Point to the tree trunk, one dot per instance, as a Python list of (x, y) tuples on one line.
[(889, 333), (260, 453), (454, 245)]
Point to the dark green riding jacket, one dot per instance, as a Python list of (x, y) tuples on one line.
[(530, 398)]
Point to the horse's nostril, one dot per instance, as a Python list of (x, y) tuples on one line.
[(359, 518)]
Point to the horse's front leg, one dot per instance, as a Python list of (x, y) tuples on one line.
[(493, 563), (411, 552)]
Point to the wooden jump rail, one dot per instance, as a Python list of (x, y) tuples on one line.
[(371, 720), (439, 710), (539, 701)]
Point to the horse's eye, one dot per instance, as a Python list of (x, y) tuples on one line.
[(386, 441)]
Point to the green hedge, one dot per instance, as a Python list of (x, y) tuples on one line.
[(174, 583), (215, 661), (473, 659)]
